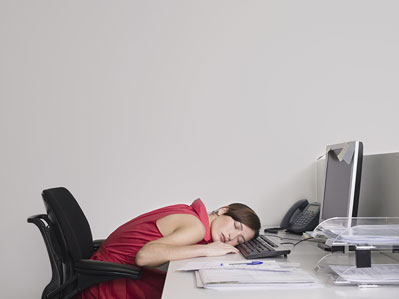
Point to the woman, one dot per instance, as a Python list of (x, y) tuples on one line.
[(167, 234)]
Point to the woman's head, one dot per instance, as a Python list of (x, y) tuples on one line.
[(234, 224)]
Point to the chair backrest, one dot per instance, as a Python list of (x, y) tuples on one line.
[(72, 225)]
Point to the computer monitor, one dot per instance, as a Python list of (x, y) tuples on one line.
[(342, 180)]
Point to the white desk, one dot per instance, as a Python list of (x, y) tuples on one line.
[(182, 284)]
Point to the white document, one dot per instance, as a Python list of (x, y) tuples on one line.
[(372, 234), (198, 280), (266, 265), (363, 234), (236, 286), (250, 277), (377, 273), (270, 286)]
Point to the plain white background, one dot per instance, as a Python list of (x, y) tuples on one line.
[(133, 105)]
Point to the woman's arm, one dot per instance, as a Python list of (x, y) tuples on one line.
[(180, 244)]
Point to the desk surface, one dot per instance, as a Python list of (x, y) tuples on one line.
[(182, 284)]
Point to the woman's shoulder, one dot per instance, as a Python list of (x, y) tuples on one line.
[(174, 222)]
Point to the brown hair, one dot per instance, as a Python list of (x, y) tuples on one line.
[(244, 214)]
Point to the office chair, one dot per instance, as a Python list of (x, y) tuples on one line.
[(67, 235)]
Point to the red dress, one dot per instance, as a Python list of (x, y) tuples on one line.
[(124, 243)]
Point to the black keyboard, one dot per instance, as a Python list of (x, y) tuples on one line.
[(261, 247)]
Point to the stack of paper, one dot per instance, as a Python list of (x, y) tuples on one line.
[(362, 234), (249, 275), (372, 234), (376, 274)]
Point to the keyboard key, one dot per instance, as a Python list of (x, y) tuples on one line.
[(262, 247)]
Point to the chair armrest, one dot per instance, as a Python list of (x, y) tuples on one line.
[(101, 268), (38, 220), (97, 244)]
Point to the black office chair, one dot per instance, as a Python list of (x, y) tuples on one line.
[(69, 244)]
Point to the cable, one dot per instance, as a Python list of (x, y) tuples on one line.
[(292, 239), (281, 238), (307, 239), (268, 235), (287, 243)]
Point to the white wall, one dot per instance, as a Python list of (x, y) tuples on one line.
[(134, 105)]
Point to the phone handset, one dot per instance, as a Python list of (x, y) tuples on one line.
[(293, 212)]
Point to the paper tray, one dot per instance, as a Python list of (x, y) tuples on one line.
[(358, 250), (378, 233), (340, 269)]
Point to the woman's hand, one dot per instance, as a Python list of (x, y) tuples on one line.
[(219, 248)]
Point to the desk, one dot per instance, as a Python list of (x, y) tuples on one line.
[(182, 284)]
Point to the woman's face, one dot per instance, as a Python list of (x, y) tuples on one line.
[(227, 230)]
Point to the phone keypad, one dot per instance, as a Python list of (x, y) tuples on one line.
[(304, 218)]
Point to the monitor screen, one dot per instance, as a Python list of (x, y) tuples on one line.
[(342, 180)]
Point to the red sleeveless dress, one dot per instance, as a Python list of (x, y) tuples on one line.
[(124, 243)]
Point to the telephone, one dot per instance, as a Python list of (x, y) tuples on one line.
[(302, 216)]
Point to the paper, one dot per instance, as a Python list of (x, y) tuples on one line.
[(234, 275), (198, 280), (266, 265), (346, 153), (248, 277), (377, 273), (372, 234), (230, 286), (362, 234), (270, 286)]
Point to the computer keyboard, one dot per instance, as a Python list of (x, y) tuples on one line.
[(261, 247)]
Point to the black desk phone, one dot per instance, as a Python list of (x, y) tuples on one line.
[(302, 216)]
